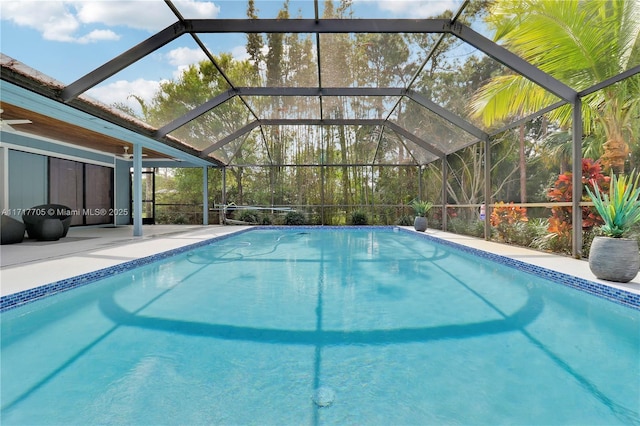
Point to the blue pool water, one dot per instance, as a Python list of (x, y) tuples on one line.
[(304, 326)]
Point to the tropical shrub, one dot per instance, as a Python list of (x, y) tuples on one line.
[(359, 217), (560, 222), (294, 218), (404, 220), (250, 216), (266, 219), (458, 225), (505, 218)]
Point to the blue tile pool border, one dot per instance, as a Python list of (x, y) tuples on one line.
[(622, 297), (15, 300), (616, 295)]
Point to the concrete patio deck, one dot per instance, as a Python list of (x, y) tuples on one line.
[(34, 263), (85, 249)]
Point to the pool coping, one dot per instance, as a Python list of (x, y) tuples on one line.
[(612, 294)]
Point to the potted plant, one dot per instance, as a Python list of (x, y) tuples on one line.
[(420, 208), (612, 256)]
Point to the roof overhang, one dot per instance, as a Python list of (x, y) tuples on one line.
[(85, 123)]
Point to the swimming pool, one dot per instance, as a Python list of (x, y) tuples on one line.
[(321, 326)]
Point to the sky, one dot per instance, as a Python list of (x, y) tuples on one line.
[(67, 39)]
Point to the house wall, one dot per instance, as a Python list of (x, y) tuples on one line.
[(24, 173), (27, 181), (122, 195), (4, 178)]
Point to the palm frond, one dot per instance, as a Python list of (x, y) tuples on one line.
[(552, 35)]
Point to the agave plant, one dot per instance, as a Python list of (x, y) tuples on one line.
[(421, 207), (620, 208)]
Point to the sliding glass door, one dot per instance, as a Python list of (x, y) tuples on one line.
[(85, 188)]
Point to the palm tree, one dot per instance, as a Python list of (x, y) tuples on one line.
[(581, 43)]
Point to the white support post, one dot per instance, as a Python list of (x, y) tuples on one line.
[(137, 190)]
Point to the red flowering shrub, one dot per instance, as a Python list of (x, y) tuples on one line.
[(560, 222), (504, 217), (507, 213)]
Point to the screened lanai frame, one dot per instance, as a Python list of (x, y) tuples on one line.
[(454, 131)]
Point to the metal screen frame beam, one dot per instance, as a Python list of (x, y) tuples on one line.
[(613, 80), (358, 122), (195, 113), (192, 26), (329, 91), (327, 122), (528, 118), (447, 115), (229, 138), (511, 60), (366, 91), (205, 195), (487, 189), (576, 178), (274, 91), (445, 177), (321, 91), (323, 122), (122, 61), (317, 26), (415, 139)]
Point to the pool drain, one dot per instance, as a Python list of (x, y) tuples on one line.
[(324, 396)]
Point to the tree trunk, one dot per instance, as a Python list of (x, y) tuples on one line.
[(346, 186), (523, 167), (616, 152)]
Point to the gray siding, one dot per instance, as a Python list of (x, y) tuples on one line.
[(27, 180), (122, 192)]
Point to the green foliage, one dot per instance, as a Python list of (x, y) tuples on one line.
[(405, 220), (170, 218), (255, 43), (458, 225), (556, 243), (552, 36), (620, 208), (463, 226), (531, 233), (250, 216), (266, 220), (421, 208), (294, 218), (359, 217)]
